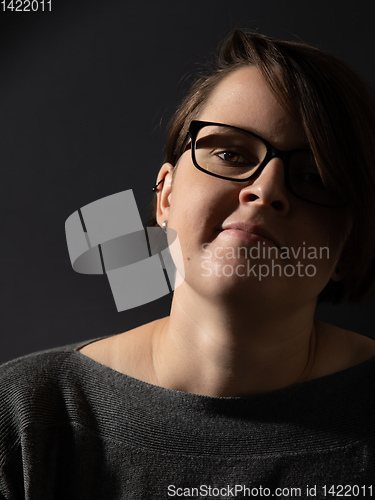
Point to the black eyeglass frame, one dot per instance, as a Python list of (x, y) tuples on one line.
[(272, 152)]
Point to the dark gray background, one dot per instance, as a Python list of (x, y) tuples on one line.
[(85, 93)]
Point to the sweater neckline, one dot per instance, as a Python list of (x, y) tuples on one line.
[(336, 409), (331, 378)]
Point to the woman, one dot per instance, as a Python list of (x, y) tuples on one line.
[(269, 183)]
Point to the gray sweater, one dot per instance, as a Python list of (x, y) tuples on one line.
[(71, 428)]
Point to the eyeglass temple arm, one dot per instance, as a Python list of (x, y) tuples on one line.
[(184, 147)]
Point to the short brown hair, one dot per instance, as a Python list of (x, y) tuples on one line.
[(337, 111)]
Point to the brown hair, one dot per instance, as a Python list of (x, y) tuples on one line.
[(337, 111)]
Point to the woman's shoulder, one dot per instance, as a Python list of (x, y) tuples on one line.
[(35, 364), (60, 368), (338, 349), (129, 352), (29, 379), (41, 376), (31, 391)]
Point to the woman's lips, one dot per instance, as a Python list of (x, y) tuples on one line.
[(250, 233)]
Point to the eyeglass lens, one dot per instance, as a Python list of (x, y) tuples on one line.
[(227, 152)]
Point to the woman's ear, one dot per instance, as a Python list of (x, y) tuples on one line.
[(164, 191)]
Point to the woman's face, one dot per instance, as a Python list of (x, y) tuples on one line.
[(228, 230)]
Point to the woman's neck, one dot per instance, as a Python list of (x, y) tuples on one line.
[(219, 349)]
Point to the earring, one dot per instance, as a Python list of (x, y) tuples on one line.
[(155, 188), (164, 226)]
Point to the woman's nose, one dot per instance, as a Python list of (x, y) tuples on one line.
[(268, 187)]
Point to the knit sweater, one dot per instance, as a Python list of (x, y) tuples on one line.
[(71, 428)]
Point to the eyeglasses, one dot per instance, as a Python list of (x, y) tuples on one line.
[(234, 154)]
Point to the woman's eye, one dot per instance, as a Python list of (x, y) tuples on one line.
[(233, 157), (230, 156), (313, 179)]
